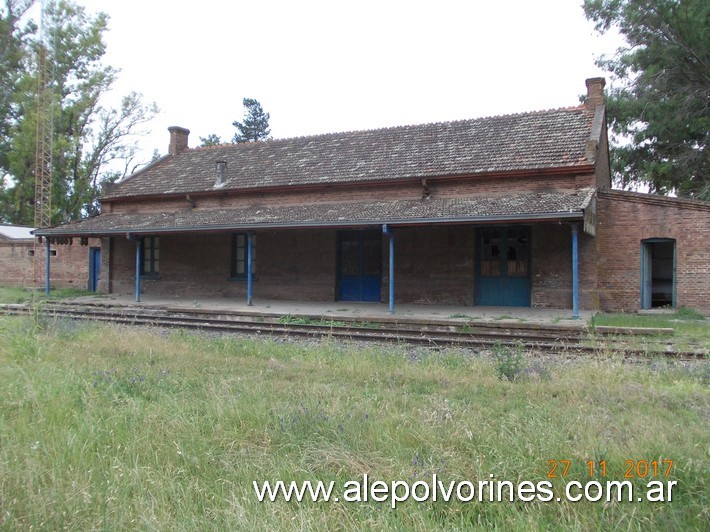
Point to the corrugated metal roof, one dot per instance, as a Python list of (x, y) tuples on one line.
[(16, 232)]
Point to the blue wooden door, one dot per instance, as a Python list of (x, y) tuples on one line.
[(503, 267), (94, 268), (359, 265)]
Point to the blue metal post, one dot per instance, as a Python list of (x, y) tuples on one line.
[(388, 231), (139, 260), (47, 260), (250, 277), (575, 272)]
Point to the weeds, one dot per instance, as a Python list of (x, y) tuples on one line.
[(365, 324), (502, 317), (510, 360), (19, 295), (134, 383), (123, 428), (305, 320), (687, 313)]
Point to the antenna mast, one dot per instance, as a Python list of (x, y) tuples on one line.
[(45, 136)]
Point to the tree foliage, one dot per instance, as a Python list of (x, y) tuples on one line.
[(91, 143), (210, 140), (256, 123), (659, 103), (13, 52)]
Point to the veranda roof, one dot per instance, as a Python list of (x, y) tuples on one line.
[(536, 206)]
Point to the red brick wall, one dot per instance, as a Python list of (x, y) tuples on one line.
[(625, 219), (436, 264), (16, 266), (68, 268), (433, 265), (190, 266), (552, 267), (296, 264)]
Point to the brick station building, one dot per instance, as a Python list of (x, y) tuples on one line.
[(511, 210)]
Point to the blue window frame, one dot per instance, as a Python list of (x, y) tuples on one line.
[(150, 267), (238, 256)]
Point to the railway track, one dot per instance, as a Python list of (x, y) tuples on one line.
[(540, 337)]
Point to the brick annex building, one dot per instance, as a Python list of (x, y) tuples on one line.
[(511, 210), (21, 261)]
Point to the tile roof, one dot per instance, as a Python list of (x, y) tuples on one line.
[(528, 206), (527, 141)]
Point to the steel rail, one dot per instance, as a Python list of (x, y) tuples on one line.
[(542, 339)]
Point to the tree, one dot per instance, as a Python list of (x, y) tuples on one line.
[(256, 123), (12, 54), (91, 143), (659, 103), (210, 140)]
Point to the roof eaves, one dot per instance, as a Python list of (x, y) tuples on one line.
[(516, 218), (576, 167)]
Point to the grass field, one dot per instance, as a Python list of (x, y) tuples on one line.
[(114, 428), (691, 330), (16, 294)]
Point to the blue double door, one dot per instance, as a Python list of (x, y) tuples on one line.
[(359, 265), (503, 267)]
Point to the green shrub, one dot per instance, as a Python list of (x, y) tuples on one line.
[(510, 360)]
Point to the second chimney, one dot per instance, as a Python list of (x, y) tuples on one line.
[(221, 173), (595, 92), (178, 139)]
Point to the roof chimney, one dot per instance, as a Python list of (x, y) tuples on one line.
[(221, 167), (178, 139), (595, 92)]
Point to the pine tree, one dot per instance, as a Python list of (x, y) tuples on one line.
[(256, 123), (659, 103)]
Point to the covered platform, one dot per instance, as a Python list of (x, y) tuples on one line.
[(350, 311)]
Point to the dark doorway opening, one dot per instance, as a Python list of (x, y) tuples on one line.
[(658, 273)]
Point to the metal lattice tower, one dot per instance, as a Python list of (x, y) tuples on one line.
[(44, 141), (43, 153)]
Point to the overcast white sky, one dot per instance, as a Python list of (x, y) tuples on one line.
[(321, 66)]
